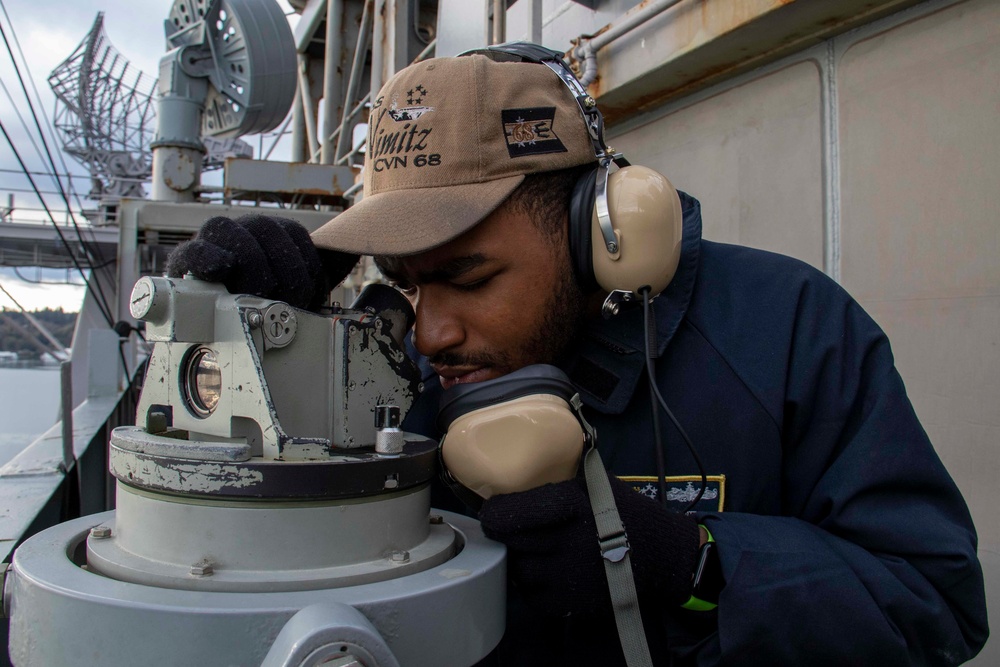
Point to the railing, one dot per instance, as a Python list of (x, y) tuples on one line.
[(38, 488)]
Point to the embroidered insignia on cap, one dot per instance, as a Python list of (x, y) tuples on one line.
[(413, 112), (529, 131), (416, 95)]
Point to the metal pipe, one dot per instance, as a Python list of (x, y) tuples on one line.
[(588, 48), (298, 129), (588, 65), (332, 79), (426, 52), (307, 106), (499, 21), (354, 81), (281, 132), (343, 159), (353, 189), (535, 21), (378, 45), (830, 96)]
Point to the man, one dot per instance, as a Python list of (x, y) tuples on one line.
[(841, 538)]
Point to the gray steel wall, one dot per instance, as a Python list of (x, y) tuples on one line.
[(874, 156)]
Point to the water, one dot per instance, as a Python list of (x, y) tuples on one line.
[(29, 406)]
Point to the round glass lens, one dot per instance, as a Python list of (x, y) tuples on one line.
[(204, 381)]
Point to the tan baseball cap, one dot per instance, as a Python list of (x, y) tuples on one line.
[(449, 140)]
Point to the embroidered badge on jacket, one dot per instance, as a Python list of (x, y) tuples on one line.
[(682, 489)]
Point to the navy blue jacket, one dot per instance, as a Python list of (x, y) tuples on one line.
[(843, 540)]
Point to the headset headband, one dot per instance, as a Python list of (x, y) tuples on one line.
[(592, 118), (533, 53)]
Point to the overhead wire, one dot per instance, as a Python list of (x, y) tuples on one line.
[(49, 173), (48, 123), (23, 278), (92, 248), (44, 192), (89, 248), (98, 294), (24, 123)]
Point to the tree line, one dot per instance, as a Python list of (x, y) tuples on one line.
[(18, 335)]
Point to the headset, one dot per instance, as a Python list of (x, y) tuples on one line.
[(625, 233), (513, 433), (526, 429), (625, 226)]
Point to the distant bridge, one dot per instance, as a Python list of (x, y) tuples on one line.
[(36, 244)]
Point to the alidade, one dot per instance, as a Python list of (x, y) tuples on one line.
[(269, 509)]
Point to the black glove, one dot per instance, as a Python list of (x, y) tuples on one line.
[(262, 255), (553, 555)]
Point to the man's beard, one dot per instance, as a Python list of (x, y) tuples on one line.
[(548, 343)]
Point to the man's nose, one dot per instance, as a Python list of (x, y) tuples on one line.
[(438, 326)]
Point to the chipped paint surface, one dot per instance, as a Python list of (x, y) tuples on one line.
[(195, 477), (376, 371), (135, 439), (305, 450), (353, 358)]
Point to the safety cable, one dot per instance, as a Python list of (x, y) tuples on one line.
[(69, 209), (88, 248), (24, 123), (651, 370), (121, 355), (48, 123), (99, 295), (33, 281)]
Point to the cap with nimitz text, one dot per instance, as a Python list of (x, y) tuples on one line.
[(449, 140)]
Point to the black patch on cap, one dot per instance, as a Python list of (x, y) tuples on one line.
[(529, 131)]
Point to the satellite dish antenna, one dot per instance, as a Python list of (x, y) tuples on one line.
[(230, 71)]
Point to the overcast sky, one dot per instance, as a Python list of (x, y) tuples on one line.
[(48, 32)]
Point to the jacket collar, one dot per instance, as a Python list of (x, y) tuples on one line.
[(611, 356)]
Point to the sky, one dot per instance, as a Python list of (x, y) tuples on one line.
[(48, 32)]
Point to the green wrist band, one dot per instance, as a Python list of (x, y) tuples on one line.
[(707, 578), (694, 604)]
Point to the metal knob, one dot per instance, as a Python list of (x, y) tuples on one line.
[(388, 437)]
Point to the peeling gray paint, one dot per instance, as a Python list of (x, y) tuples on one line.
[(196, 477)]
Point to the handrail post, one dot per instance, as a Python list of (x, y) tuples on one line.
[(66, 390)]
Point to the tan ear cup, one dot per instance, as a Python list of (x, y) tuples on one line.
[(647, 220), (514, 446)]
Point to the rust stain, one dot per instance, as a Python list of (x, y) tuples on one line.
[(726, 39)]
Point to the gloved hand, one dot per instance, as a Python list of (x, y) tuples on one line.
[(553, 554), (262, 255)]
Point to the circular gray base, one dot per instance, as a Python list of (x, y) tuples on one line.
[(172, 541), (61, 614)]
